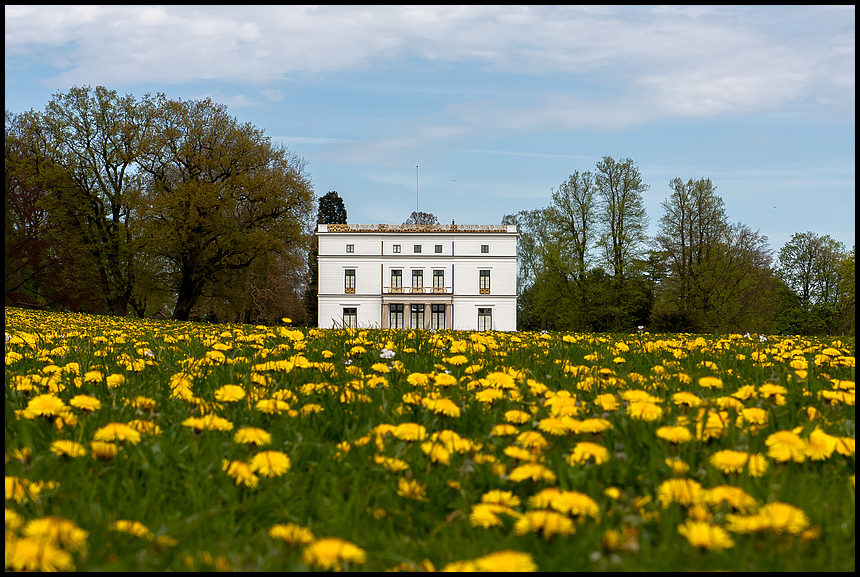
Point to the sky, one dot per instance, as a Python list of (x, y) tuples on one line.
[(474, 112)]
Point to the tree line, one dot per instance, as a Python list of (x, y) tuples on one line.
[(117, 205), (587, 264)]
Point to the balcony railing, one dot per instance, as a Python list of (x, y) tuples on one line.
[(398, 290)]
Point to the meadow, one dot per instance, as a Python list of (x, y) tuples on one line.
[(142, 445)]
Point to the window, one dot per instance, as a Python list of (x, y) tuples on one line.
[(396, 279), (416, 248), (438, 249), (485, 248), (349, 280), (350, 248), (416, 318), (438, 279), (395, 316), (437, 317), (395, 248), (484, 282), (485, 319), (350, 318), (417, 279)]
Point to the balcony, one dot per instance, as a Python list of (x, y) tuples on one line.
[(399, 290)]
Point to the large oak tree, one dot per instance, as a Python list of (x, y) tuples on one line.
[(221, 195)]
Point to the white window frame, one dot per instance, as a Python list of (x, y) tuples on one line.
[(485, 319), (437, 316), (395, 316)]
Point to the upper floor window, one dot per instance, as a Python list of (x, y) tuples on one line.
[(485, 248), (416, 248), (396, 278), (350, 248), (395, 248), (438, 249), (484, 282), (417, 279), (349, 279), (438, 278)]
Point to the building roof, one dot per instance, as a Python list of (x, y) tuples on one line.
[(497, 228)]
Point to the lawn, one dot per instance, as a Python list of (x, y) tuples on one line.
[(142, 445)]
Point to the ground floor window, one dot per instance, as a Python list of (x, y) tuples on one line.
[(437, 317), (485, 319), (395, 316), (416, 320), (350, 318)]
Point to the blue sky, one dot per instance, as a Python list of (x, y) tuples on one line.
[(496, 105)]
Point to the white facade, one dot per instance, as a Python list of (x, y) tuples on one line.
[(418, 276)]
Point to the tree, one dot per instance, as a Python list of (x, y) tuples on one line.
[(421, 218), (810, 266), (96, 138), (572, 217), (717, 274), (41, 270), (220, 196), (331, 209), (622, 217)]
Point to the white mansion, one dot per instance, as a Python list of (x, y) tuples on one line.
[(418, 276)]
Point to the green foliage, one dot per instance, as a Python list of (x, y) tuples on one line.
[(157, 203)]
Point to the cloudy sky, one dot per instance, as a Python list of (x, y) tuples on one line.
[(495, 105)]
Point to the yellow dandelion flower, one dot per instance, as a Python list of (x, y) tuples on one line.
[(135, 528), (270, 463), (331, 553), (737, 498), (784, 446), (47, 405), (607, 402), (504, 430), (103, 451), (114, 381), (411, 489), (550, 523), (499, 497), (554, 426), (517, 417), (584, 451), (845, 446), (729, 461), (489, 396), (240, 472), (711, 382), (86, 403), (678, 466), (706, 536), (591, 426), (506, 561), (58, 531), (683, 491), (445, 380), (574, 503), (644, 411), (532, 440), (291, 534), (229, 394), (36, 555), (485, 515), (392, 464), (117, 432), (410, 432), (676, 434), (519, 453), (437, 452), (533, 471), (820, 445), (253, 436), (418, 379), (757, 465), (68, 448), (272, 406), (442, 406), (499, 380), (784, 518)]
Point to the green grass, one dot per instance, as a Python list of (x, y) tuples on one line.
[(174, 483)]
